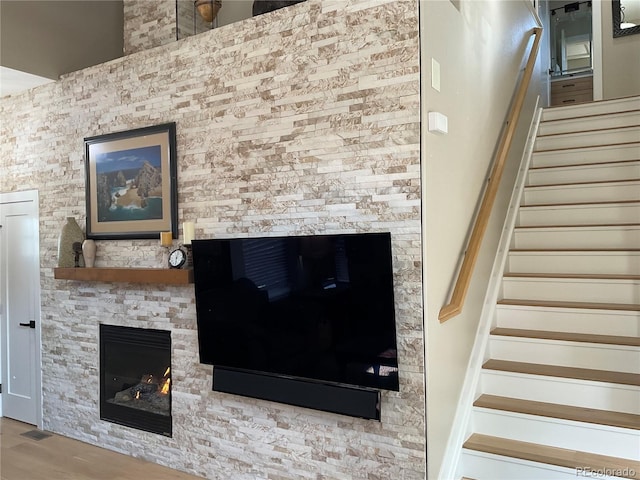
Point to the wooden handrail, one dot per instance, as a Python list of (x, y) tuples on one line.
[(454, 307)]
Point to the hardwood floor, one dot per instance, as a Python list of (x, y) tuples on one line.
[(61, 458)]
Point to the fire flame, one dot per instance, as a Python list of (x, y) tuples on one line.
[(164, 388), (137, 395), (166, 382)]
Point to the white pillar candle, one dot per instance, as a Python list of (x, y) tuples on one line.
[(188, 231)]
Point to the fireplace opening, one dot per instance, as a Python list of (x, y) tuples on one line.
[(135, 378)]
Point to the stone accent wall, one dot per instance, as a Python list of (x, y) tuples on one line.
[(148, 24), (301, 121)]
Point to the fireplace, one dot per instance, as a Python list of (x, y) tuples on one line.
[(135, 378)]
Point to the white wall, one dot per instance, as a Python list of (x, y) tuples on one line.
[(620, 60), (486, 46)]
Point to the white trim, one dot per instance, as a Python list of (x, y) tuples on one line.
[(534, 12), (459, 430), (545, 58), (596, 34)]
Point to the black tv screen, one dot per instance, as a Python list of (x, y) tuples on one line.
[(315, 307)]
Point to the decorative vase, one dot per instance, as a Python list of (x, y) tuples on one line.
[(89, 252), (208, 9), (71, 233)]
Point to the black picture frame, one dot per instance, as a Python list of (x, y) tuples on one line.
[(131, 183), (616, 12)]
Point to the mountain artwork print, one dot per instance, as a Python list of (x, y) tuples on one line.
[(129, 184)]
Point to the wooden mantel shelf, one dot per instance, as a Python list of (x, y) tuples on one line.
[(134, 275)]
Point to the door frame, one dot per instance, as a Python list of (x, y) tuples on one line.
[(542, 11), (596, 49), (28, 197)]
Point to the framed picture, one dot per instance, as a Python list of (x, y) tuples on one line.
[(131, 183)]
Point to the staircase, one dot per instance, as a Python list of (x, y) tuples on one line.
[(559, 393)]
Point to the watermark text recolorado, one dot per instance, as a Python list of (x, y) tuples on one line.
[(605, 472)]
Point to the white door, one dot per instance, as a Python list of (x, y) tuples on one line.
[(20, 307)]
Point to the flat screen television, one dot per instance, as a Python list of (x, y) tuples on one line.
[(312, 307)]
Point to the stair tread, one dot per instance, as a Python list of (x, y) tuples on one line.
[(561, 304), (608, 376), (592, 130), (577, 250), (553, 455), (582, 117), (581, 147), (587, 225), (568, 336), (594, 276), (587, 105), (578, 204), (579, 184), (579, 165), (565, 412)]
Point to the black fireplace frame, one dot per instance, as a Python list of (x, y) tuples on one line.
[(123, 415)]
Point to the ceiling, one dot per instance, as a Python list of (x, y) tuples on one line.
[(40, 40)]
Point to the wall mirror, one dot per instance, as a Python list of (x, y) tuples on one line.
[(626, 17)]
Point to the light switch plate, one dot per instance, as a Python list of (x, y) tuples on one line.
[(435, 74)]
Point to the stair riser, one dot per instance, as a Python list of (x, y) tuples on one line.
[(596, 439), (621, 191), (566, 354), (569, 320), (580, 214), (597, 108), (587, 139), (572, 290), (621, 263), (615, 120), (617, 153), (598, 395), (482, 466), (605, 238), (587, 173)]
